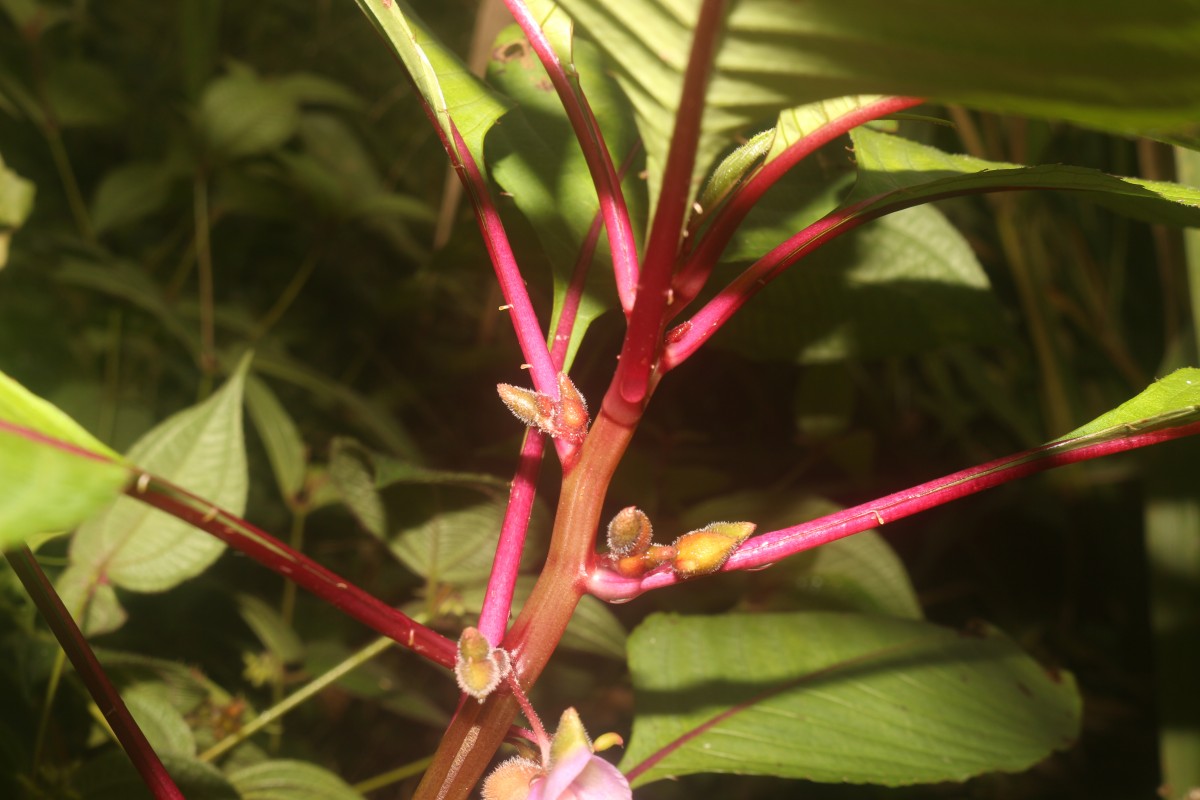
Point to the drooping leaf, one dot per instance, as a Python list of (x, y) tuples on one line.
[(290, 780), (46, 487), (449, 90), (137, 547), (903, 284), (279, 638), (793, 694), (1172, 400), (898, 172), (285, 449), (538, 161), (1110, 63), (352, 474), (130, 193)]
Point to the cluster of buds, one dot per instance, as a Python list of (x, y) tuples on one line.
[(699, 552), (564, 418)]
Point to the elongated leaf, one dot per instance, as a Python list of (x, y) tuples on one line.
[(895, 170), (839, 698), (112, 777), (904, 284), (277, 636), (350, 472), (43, 487), (448, 88), (1107, 63), (1174, 399), (137, 547), (290, 780), (281, 438), (164, 726)]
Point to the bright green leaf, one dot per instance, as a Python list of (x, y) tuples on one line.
[(1169, 401), (1114, 64), (793, 694), (895, 171), (43, 487), (138, 547), (290, 780), (906, 283), (285, 449), (447, 87)]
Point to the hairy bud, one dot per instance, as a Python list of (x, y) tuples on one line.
[(638, 565), (706, 550), (629, 533), (479, 667), (566, 417), (511, 779), (570, 418)]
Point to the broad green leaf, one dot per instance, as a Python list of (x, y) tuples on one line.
[(164, 726), (130, 193), (1172, 400), (906, 283), (112, 777), (895, 171), (277, 636), (351, 473), (840, 698), (280, 437), (390, 471), (449, 90), (537, 160), (138, 547), (290, 780), (44, 487), (16, 201), (241, 115), (1114, 64), (593, 628)]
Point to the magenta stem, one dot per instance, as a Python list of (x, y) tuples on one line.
[(595, 154), (643, 339), (294, 566), (106, 696), (768, 548), (701, 261)]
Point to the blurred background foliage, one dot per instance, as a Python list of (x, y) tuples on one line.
[(212, 177)]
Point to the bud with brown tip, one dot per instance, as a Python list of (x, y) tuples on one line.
[(706, 550), (565, 418)]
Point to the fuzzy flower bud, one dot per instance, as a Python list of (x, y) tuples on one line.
[(565, 418), (629, 533), (479, 667), (706, 550), (570, 418)]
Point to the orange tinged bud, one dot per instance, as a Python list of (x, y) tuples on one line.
[(629, 533), (511, 779), (566, 417), (659, 554), (706, 550), (570, 415)]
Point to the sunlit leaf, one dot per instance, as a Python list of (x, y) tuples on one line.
[(46, 487), (842, 698), (1171, 400)]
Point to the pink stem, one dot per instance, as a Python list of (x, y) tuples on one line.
[(764, 550), (700, 262), (643, 340), (109, 701), (595, 153), (294, 566), (497, 599)]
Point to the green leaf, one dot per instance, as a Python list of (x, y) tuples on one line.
[(241, 115), (894, 171), (280, 437), (16, 202), (112, 777), (390, 471), (165, 728), (308, 88), (130, 193), (841, 698), (904, 284), (277, 636), (45, 488), (84, 93), (1114, 64), (537, 160), (1172, 400), (290, 780), (351, 473), (448, 88), (140, 548)]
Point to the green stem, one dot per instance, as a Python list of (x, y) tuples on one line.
[(296, 698), (39, 743), (208, 358), (393, 776)]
